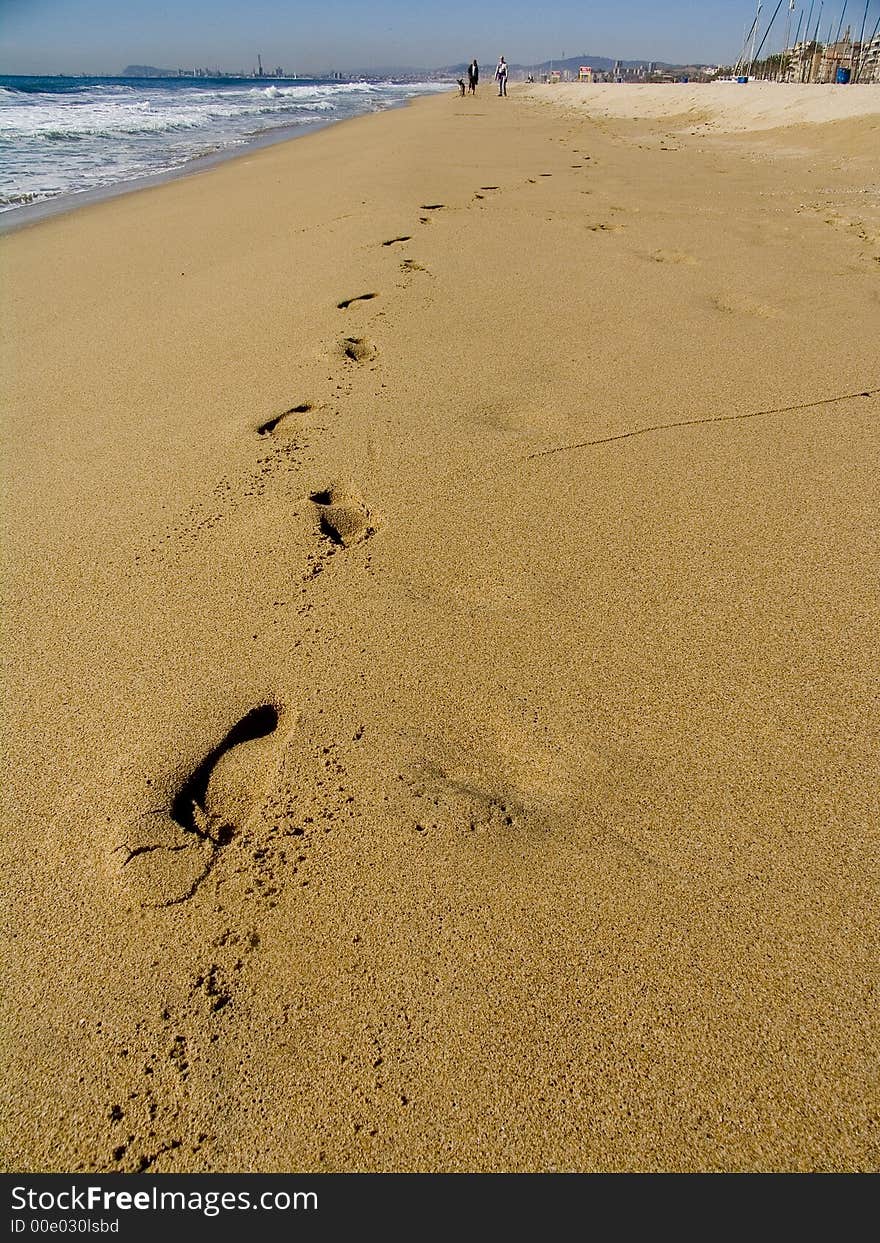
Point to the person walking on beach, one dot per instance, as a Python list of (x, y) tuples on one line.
[(473, 76), (501, 75)]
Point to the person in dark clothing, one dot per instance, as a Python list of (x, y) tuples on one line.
[(473, 76)]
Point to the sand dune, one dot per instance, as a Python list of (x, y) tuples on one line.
[(441, 654), (725, 107)]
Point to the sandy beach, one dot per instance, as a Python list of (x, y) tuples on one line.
[(441, 648)]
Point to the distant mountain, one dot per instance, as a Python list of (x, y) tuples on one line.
[(571, 64), (147, 71)]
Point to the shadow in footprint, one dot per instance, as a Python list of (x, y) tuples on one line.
[(361, 297), (392, 241), (342, 515), (358, 349), (169, 852), (270, 425), (206, 803)]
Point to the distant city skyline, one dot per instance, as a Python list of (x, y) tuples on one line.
[(102, 36)]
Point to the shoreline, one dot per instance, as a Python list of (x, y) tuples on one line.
[(16, 218), (441, 655)]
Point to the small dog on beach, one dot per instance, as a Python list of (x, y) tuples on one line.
[(461, 86)]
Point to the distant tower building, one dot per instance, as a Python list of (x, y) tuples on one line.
[(259, 66)]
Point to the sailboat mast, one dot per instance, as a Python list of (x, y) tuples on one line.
[(791, 4), (815, 41), (862, 41), (840, 23), (754, 37), (806, 37), (818, 20), (769, 28), (741, 59)]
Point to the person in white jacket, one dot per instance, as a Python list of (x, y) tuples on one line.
[(501, 76)]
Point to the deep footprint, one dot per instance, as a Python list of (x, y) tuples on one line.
[(342, 515), (358, 349), (361, 297), (218, 796), (392, 241), (269, 426), (432, 206), (167, 854)]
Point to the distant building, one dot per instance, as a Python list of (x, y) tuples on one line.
[(867, 61), (815, 62), (836, 56), (804, 61)]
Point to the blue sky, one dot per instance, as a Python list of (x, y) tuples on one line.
[(101, 36)]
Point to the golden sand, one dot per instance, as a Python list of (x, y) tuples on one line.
[(441, 654)]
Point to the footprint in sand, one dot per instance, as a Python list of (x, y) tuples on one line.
[(393, 241), (745, 306), (271, 425), (605, 228), (357, 349), (361, 297), (671, 256), (432, 206), (455, 802), (167, 853), (410, 265), (342, 515), (222, 791)]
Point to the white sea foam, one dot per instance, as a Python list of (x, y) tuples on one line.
[(61, 136)]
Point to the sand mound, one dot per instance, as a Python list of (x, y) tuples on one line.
[(723, 106)]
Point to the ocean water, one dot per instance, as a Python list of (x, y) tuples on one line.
[(61, 136)]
